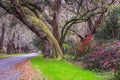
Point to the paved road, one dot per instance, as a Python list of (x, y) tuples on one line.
[(5, 66)]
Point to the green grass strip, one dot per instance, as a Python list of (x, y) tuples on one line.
[(62, 70)]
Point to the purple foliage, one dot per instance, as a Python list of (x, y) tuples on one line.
[(104, 58)]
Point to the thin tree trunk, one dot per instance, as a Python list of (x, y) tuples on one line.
[(2, 37), (113, 32), (55, 25), (10, 46), (46, 48)]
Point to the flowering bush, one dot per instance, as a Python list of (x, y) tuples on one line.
[(104, 58), (83, 47)]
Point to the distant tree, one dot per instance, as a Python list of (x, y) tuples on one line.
[(111, 26), (85, 11), (2, 36), (36, 42)]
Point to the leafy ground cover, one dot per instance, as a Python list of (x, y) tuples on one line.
[(62, 70), (10, 55)]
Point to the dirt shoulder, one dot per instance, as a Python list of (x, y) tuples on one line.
[(28, 72)]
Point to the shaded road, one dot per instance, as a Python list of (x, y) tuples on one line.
[(10, 62), (6, 73)]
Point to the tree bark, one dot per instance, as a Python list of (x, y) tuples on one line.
[(46, 48), (2, 37), (11, 46), (54, 22), (56, 26), (57, 52)]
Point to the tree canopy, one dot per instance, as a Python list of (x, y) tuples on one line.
[(37, 15)]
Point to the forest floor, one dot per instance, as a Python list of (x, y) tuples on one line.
[(28, 72)]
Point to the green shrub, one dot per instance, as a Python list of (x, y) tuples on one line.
[(66, 47), (117, 75), (110, 26), (69, 57), (1, 51), (36, 43)]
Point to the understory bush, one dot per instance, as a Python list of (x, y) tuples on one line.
[(117, 75), (104, 58), (1, 51), (36, 42), (82, 48), (66, 47), (110, 27)]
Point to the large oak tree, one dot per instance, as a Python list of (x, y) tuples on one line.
[(22, 10)]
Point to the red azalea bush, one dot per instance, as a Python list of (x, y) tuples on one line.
[(82, 48), (104, 58)]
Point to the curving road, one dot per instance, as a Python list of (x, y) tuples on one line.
[(7, 63)]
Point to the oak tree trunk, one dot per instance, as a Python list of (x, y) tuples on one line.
[(56, 50)]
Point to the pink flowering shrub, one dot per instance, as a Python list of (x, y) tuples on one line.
[(103, 58)]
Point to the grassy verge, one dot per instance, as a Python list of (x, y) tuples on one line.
[(107, 75), (11, 55), (62, 70)]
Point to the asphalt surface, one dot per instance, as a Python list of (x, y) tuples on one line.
[(6, 64)]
